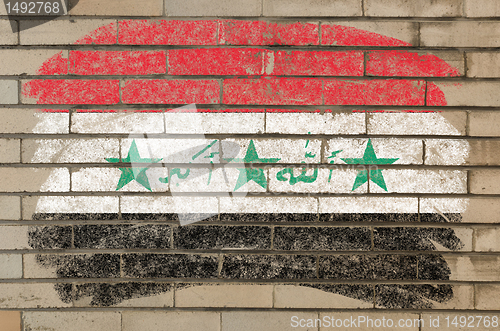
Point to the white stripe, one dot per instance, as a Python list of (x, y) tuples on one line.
[(422, 181), (51, 123), (167, 204), (446, 151), (367, 205), (210, 123), (58, 181), (402, 123), (119, 122), (316, 123), (269, 205), (286, 150), (69, 150), (407, 151), (173, 150), (77, 204), (443, 205), (341, 181)]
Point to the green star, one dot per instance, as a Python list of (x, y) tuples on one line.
[(255, 174), (375, 175), (133, 173)]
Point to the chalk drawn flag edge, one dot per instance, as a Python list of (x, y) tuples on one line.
[(272, 210)]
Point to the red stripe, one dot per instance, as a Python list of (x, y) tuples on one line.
[(251, 61), (159, 91), (398, 63), (233, 32), (118, 111), (161, 32), (179, 110), (216, 61), (318, 63), (278, 91), (374, 92), (72, 91), (298, 111), (435, 97), (174, 110), (236, 110), (53, 110), (397, 111), (105, 35), (238, 61), (55, 65), (118, 63), (339, 35)]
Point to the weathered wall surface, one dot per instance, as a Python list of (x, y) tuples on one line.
[(392, 104)]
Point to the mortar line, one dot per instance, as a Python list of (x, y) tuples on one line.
[(18, 26), (19, 90), (174, 295), (21, 151), (374, 291), (21, 211), (468, 181), (22, 266), (265, 121), (474, 295), (272, 237), (317, 266), (320, 33), (261, 194), (467, 124), (418, 210), (323, 47), (274, 296), (176, 281), (117, 21), (419, 34), (365, 61), (326, 224), (270, 137), (220, 265), (417, 266), (424, 154), (474, 236), (267, 18), (71, 113), (246, 309), (466, 69), (318, 77)]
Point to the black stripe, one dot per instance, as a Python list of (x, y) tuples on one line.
[(247, 237), (267, 261), (411, 296), (369, 217)]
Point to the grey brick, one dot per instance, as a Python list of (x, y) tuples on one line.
[(9, 92), (414, 8), (312, 8), (460, 34), (213, 7)]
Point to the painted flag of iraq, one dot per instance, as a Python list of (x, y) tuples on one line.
[(246, 164)]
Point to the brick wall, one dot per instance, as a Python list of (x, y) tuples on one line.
[(416, 80)]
